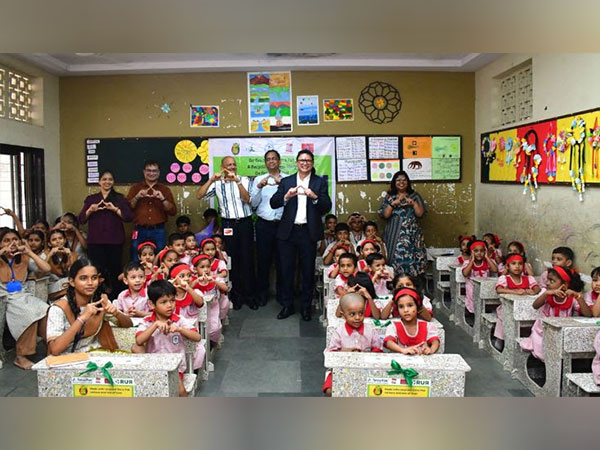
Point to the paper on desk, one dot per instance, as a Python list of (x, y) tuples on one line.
[(587, 320), (101, 360)]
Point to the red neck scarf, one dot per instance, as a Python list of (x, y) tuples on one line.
[(557, 307)]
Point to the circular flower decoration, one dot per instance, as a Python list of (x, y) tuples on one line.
[(380, 102)]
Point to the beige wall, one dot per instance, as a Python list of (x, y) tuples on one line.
[(562, 84), (44, 133), (121, 106)]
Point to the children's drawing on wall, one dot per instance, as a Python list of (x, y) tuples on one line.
[(204, 116), (380, 102), (308, 109), (270, 102), (337, 110)]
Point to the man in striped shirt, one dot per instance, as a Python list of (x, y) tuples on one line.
[(232, 192)]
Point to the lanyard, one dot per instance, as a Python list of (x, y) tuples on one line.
[(13, 285)]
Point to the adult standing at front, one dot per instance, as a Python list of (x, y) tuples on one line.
[(105, 213), (232, 192), (403, 235), (305, 199), (152, 202), (263, 188)]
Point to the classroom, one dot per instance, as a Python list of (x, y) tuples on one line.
[(463, 171)]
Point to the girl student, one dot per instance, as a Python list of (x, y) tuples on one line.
[(218, 269), (165, 259), (78, 322), (411, 336), (404, 280), (465, 253), (560, 298), (516, 247), (591, 298), (60, 257), (360, 283), (25, 313), (493, 246), (221, 253), (147, 254), (210, 287), (364, 249), (514, 282), (75, 240), (187, 299), (479, 265), (334, 269), (347, 266), (372, 232), (36, 241)]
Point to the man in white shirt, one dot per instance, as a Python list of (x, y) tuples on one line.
[(263, 188), (232, 192)]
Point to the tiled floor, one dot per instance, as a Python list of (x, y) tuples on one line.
[(263, 356)]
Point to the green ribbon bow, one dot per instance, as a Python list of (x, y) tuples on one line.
[(92, 367), (408, 374), (378, 323)]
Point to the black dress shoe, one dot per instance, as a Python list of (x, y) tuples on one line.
[(285, 312), (306, 315), (237, 306), (252, 305)]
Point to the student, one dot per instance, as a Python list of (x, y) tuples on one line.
[(133, 300), (41, 225), (353, 335), (211, 219), (166, 258), (329, 233), (518, 248), (334, 269), (190, 249), (211, 287), (221, 253), (596, 361), (361, 284), (379, 274), (372, 232), (465, 253), (356, 222), (479, 265), (78, 322), (36, 241), (364, 249), (187, 298), (75, 240), (176, 242), (493, 246), (163, 331), (559, 300), (347, 263), (514, 282), (60, 258), (591, 298), (342, 235), (25, 313), (218, 270), (147, 254), (404, 280), (562, 257), (184, 224), (411, 336)]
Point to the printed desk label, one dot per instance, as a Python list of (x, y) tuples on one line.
[(100, 387), (397, 387)]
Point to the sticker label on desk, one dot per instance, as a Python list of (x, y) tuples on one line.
[(397, 387), (100, 387)]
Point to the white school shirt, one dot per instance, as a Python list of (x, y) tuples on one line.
[(301, 212), (231, 205)]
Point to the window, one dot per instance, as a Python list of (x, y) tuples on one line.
[(22, 184), (516, 95), (16, 95)]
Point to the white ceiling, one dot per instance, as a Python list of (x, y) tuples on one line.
[(73, 64)]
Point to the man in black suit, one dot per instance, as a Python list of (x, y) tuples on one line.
[(305, 199)]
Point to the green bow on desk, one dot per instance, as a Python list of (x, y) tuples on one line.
[(92, 367), (378, 323), (408, 374)]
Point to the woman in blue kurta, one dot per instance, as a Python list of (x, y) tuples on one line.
[(403, 235)]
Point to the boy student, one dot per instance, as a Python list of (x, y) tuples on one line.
[(347, 267), (562, 257), (329, 233), (184, 224), (133, 300), (379, 274), (355, 222), (342, 234), (176, 242)]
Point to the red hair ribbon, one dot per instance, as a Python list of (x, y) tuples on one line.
[(562, 273), (371, 241), (411, 293), (476, 244), (464, 238), (176, 270), (150, 243), (162, 254), (206, 241), (512, 258), (497, 240), (199, 258)]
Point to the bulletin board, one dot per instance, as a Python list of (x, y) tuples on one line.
[(563, 150)]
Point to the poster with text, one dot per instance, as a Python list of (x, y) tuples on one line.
[(269, 102), (307, 109), (383, 147)]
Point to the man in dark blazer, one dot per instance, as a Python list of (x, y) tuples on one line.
[(305, 199)]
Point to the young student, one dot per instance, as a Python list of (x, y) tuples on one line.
[(211, 219), (190, 248), (218, 270), (379, 274), (133, 301), (221, 253), (75, 240), (184, 224), (176, 242), (25, 313), (479, 265), (355, 223), (163, 331), (596, 361), (353, 335), (404, 280), (342, 235), (187, 298), (166, 258), (334, 269), (78, 321), (493, 246), (372, 232), (60, 257), (514, 282), (516, 247), (465, 253), (562, 257), (411, 336), (347, 263), (41, 225), (147, 255), (211, 287), (591, 298), (329, 233), (36, 241), (364, 249), (361, 284), (563, 293)]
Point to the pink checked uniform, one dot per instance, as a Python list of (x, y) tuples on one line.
[(124, 301), (340, 281), (426, 332), (535, 342), (216, 267), (185, 307), (589, 298), (345, 336), (362, 265), (507, 282), (483, 271), (596, 361), (173, 342), (209, 291), (381, 288), (330, 269)]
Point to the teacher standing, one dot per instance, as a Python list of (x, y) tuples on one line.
[(105, 213), (305, 199), (403, 236)]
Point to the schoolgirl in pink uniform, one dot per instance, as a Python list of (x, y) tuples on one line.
[(218, 268), (493, 247), (596, 361), (404, 280), (364, 249), (591, 298), (463, 244), (559, 300), (480, 265), (187, 299), (211, 288), (519, 249), (334, 269)]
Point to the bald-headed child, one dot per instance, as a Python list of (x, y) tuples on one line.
[(353, 335)]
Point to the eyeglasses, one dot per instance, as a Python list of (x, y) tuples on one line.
[(307, 161)]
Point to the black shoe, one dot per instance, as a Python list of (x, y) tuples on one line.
[(285, 312), (252, 305), (306, 316), (262, 300), (237, 306)]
